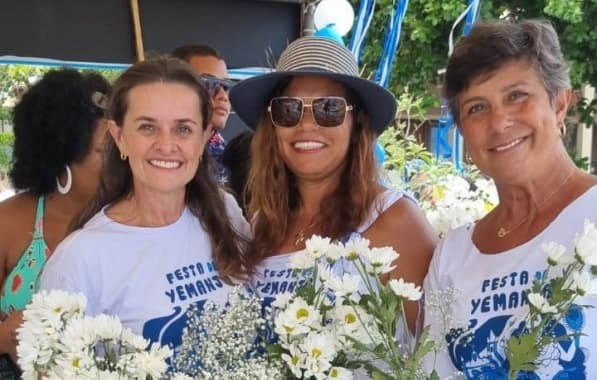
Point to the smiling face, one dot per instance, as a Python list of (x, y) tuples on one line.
[(312, 152), (162, 135), (509, 123)]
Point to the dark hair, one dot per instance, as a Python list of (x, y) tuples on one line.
[(187, 52), (203, 197), (275, 196), (491, 44), (237, 159), (54, 123)]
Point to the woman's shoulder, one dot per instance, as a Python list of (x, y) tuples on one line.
[(392, 208), (456, 240), (17, 216), (388, 205)]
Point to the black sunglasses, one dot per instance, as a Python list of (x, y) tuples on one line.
[(213, 84), (328, 111)]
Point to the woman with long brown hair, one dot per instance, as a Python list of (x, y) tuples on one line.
[(313, 167), (160, 235)]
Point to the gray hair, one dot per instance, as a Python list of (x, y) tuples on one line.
[(491, 44)]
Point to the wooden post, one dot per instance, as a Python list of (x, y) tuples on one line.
[(139, 49)]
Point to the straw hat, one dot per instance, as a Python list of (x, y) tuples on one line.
[(313, 56)]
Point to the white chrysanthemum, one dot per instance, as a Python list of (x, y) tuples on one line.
[(584, 283), (339, 373), (73, 364), (151, 363), (541, 304), (353, 322), (317, 246), (301, 260), (345, 286), (586, 244), (136, 342), (282, 300), (355, 248), (379, 260), (295, 360), (320, 351), (108, 327), (335, 252), (298, 318), (456, 184), (43, 322), (556, 254), (405, 290)]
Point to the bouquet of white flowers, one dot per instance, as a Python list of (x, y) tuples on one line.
[(345, 318), (454, 201), (224, 343), (57, 341)]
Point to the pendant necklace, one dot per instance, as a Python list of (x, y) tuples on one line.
[(503, 231), (299, 238)]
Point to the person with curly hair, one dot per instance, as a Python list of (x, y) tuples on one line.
[(59, 127), (313, 167), (160, 235)]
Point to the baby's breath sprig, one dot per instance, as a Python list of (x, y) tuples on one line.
[(222, 343)]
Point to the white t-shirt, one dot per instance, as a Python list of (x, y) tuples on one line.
[(491, 301), (272, 275), (147, 276)]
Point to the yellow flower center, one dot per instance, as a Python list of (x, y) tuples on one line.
[(76, 362), (294, 360), (302, 313), (334, 373), (316, 353), (350, 318)]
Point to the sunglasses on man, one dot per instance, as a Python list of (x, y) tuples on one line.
[(328, 111), (213, 84)]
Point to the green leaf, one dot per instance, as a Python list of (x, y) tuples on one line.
[(522, 352)]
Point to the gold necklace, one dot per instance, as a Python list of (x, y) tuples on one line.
[(503, 231), (299, 238)]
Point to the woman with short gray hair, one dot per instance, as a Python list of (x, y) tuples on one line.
[(508, 88)]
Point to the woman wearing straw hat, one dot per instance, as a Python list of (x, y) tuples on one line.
[(313, 169)]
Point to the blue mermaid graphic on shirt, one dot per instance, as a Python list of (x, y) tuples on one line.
[(478, 352)]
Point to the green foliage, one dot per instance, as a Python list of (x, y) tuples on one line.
[(15, 79), (423, 47), (400, 141), (6, 142), (587, 111)]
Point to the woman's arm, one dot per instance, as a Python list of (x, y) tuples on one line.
[(8, 334), (404, 227)]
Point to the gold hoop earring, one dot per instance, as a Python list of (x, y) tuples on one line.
[(563, 130)]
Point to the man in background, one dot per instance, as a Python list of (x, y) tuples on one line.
[(212, 70)]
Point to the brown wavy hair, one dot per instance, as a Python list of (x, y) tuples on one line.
[(203, 196), (275, 197)]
